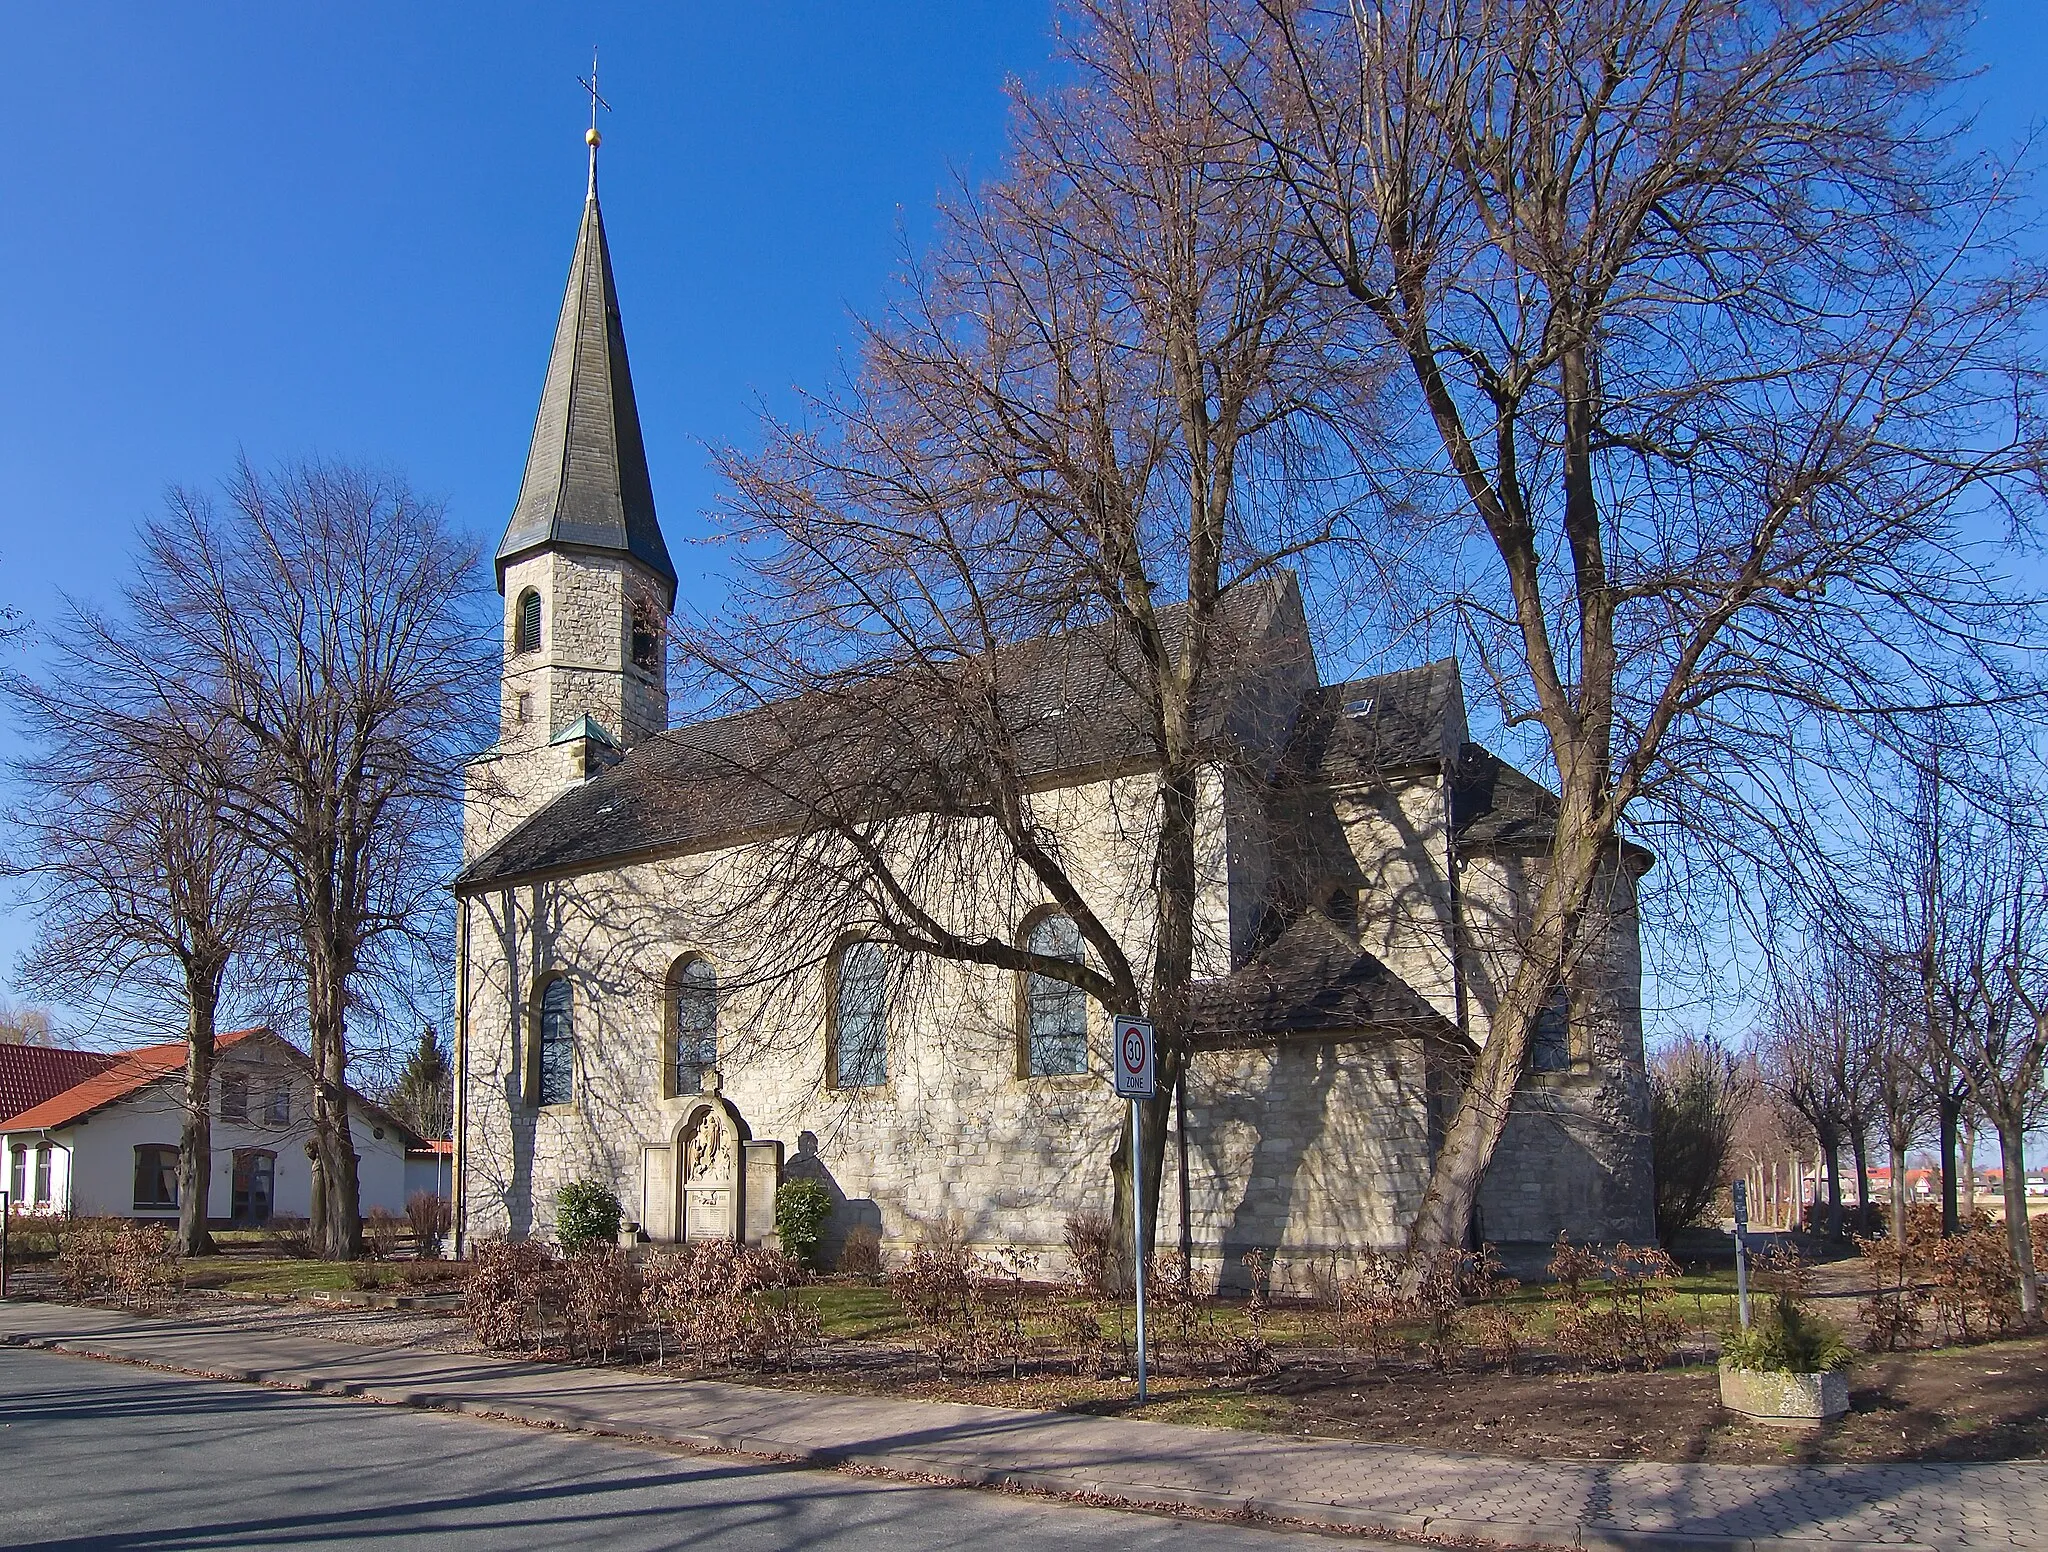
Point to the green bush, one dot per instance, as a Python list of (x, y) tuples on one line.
[(801, 1209), (586, 1213), (1788, 1341)]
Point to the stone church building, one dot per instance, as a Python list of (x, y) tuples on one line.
[(1365, 866)]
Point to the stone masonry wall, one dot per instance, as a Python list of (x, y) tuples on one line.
[(1305, 1149)]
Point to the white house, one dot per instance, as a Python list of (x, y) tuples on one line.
[(108, 1143)]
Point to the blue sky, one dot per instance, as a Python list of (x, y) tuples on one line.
[(298, 229)]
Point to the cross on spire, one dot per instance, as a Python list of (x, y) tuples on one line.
[(591, 137)]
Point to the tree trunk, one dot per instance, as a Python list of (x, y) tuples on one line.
[(1831, 1156), (2012, 1159), (1173, 964), (341, 1224), (1859, 1151), (195, 1137), (1901, 1196), (2018, 1231), (1951, 1108), (1969, 1167), (1445, 1217)]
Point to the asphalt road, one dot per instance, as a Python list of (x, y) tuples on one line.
[(97, 1455)]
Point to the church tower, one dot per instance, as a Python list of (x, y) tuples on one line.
[(585, 575)]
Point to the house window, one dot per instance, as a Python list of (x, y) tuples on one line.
[(156, 1176), (1550, 1040), (860, 1056), (526, 623), (255, 1173), (646, 638), (556, 1079), (18, 1176), (1055, 1012), (694, 997), (43, 1198), (234, 1096), (277, 1110)]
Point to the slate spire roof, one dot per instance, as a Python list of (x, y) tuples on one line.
[(586, 484)]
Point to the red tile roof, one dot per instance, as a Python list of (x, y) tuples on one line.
[(30, 1074), (120, 1076), (439, 1145)]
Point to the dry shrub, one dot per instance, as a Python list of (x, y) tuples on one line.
[(431, 1217), (133, 1264), (1612, 1308), (1895, 1310), (149, 1270), (1364, 1312), (1102, 1262), (1444, 1284), (290, 1235), (1180, 1302), (511, 1283), (1975, 1292), (381, 1229), (861, 1255), (33, 1234), (936, 1289), (727, 1304), (85, 1261), (600, 1300)]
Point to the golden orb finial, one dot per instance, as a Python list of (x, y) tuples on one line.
[(592, 138)]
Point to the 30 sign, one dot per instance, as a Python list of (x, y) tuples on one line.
[(1133, 1046)]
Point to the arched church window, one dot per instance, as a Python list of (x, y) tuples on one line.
[(526, 623), (694, 994), (1550, 1039), (860, 1043), (1055, 1012), (646, 637), (555, 1079)]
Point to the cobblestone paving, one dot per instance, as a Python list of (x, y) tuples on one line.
[(1411, 1491)]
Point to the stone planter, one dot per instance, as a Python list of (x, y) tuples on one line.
[(1785, 1400)]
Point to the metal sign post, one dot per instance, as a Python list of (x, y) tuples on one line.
[(1740, 1190), (1135, 1080), (6, 1216)]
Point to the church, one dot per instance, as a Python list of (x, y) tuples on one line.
[(1363, 874)]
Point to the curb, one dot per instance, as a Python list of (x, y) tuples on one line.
[(1522, 1536)]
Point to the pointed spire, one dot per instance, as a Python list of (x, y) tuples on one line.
[(586, 484)]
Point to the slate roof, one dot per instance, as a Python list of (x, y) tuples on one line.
[(1495, 806), (1361, 728), (122, 1075), (30, 1074), (586, 483), (1070, 706), (1312, 978)]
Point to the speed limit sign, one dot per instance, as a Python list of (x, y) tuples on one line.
[(1134, 1058)]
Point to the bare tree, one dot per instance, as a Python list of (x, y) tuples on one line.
[(322, 619), (1043, 526), (25, 1024), (1709, 335), (1814, 1054), (2005, 1056), (146, 892)]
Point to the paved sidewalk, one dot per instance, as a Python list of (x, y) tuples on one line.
[(1406, 1491)]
